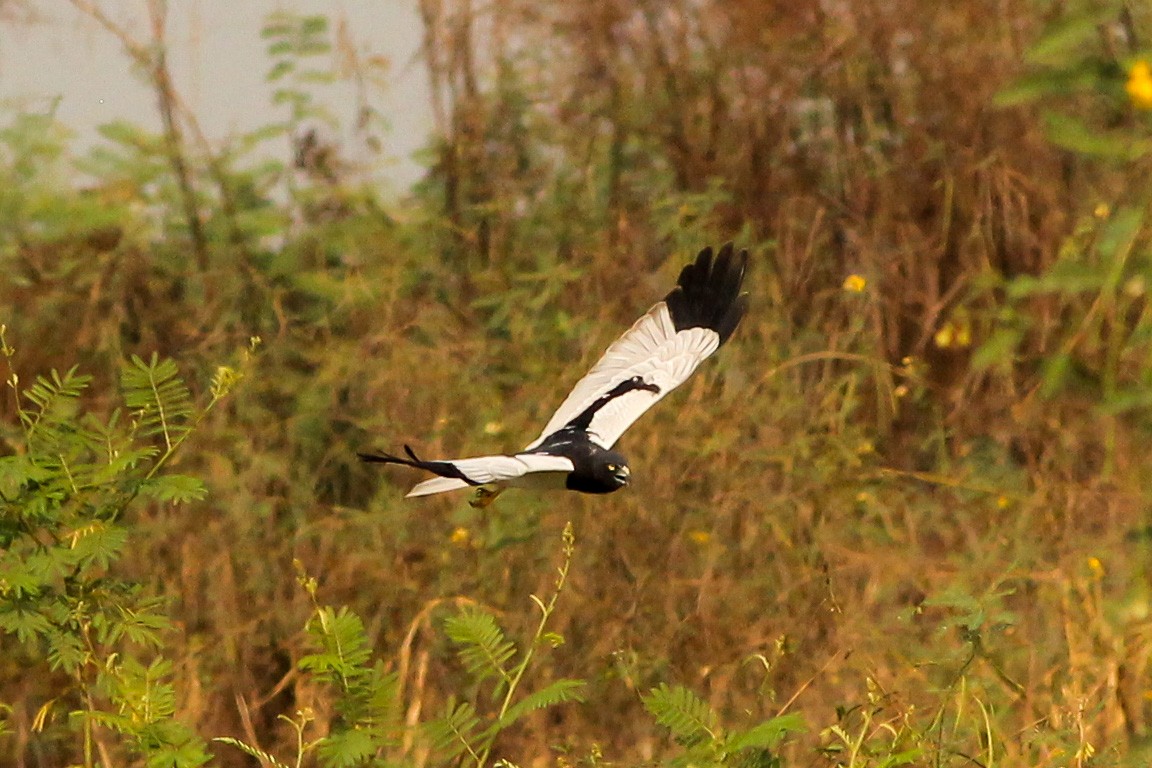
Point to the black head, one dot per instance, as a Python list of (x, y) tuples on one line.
[(605, 472)]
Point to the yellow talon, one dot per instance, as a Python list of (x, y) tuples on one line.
[(485, 495)]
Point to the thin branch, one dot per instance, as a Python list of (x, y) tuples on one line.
[(152, 58)]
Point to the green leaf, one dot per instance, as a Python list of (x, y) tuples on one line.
[(259, 754), (1068, 39), (16, 472), (158, 397), (682, 712), (46, 390), (1054, 373), (1069, 276), (176, 489), (906, 757), (280, 69), (66, 652), (557, 692), (484, 650), (346, 647), (999, 349), (172, 745), (124, 132), (1068, 132), (313, 25), (143, 624), (51, 424), (99, 542), (290, 96), (1037, 85), (349, 747), (450, 734), (767, 734), (1119, 234), (24, 621)]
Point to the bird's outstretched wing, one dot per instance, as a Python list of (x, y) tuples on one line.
[(662, 348), (480, 470)]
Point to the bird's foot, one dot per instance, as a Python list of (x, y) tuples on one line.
[(485, 495)]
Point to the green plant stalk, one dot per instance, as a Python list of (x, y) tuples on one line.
[(320, 614), (299, 725), (1111, 378), (546, 610), (86, 694), (13, 379), (1114, 348), (173, 447)]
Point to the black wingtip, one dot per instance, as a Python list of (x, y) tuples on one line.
[(378, 458), (707, 294), (442, 468)]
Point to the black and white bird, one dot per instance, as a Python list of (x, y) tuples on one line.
[(657, 354)]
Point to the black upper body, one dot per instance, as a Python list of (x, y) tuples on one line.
[(595, 469)]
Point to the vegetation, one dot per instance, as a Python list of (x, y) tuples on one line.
[(901, 520)]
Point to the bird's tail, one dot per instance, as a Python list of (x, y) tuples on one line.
[(437, 485), (451, 478)]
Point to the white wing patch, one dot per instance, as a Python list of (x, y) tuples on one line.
[(505, 470), (436, 485), (652, 350)]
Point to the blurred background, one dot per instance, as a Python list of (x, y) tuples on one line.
[(902, 518), (65, 59)]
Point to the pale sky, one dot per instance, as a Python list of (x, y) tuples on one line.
[(219, 63)]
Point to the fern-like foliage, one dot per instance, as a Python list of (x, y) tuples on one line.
[(61, 496), (483, 648), (685, 714), (174, 489), (486, 653), (697, 727), (367, 698), (144, 703), (452, 733), (263, 757), (345, 648), (50, 421), (557, 692), (158, 398), (766, 735)]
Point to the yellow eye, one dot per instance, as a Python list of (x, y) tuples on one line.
[(611, 467)]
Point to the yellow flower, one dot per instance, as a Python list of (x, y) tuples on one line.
[(460, 536), (1096, 567), (1139, 85), (954, 334), (1003, 502), (1102, 211), (943, 337), (700, 537), (855, 283)]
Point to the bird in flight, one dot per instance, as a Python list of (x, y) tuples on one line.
[(657, 354)]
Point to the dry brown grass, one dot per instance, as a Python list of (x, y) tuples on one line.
[(837, 517)]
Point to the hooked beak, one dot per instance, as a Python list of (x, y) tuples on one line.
[(622, 475)]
